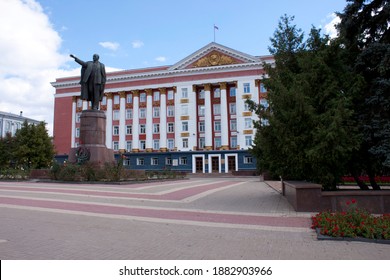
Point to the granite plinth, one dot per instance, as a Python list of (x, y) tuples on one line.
[(92, 139)]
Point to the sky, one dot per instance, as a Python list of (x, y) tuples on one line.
[(37, 36)]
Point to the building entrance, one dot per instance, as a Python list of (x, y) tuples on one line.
[(199, 165), (215, 164), (231, 163)]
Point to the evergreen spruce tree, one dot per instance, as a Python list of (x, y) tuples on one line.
[(365, 36), (310, 133)]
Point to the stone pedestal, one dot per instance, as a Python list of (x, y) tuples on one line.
[(92, 146)]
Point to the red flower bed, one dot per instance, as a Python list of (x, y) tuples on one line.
[(378, 179), (353, 223)]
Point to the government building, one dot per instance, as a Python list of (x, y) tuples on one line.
[(190, 116)]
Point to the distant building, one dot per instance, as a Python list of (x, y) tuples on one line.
[(10, 123), (190, 116)]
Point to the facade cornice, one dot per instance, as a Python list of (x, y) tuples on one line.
[(168, 73)]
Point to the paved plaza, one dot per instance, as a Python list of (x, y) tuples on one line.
[(195, 218)]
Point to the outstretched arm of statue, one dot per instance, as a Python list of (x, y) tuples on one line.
[(79, 61)]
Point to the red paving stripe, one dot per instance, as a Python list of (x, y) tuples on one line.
[(293, 222), (174, 195)]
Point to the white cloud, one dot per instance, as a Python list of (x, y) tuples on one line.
[(161, 58), (110, 45), (137, 44), (330, 28), (30, 60)]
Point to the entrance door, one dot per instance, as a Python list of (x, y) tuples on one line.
[(199, 165), (215, 164), (231, 163)]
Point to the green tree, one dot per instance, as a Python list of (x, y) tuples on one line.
[(365, 36), (33, 146), (310, 133), (7, 145)]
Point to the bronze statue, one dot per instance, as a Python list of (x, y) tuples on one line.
[(93, 80)]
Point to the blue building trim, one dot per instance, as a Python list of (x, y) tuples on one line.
[(223, 161)]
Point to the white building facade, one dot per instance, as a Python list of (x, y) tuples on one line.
[(190, 116)]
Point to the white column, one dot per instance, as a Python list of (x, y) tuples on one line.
[(85, 105), (135, 141), (208, 118), (149, 120), (109, 121), (73, 133), (224, 118), (122, 122), (163, 119)]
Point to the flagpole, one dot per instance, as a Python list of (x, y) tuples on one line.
[(214, 33)]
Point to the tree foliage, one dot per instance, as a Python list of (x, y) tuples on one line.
[(31, 147), (365, 35), (311, 133)]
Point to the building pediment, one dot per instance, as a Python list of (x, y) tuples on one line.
[(214, 55)]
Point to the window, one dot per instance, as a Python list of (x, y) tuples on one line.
[(233, 125), (156, 112), (247, 88), (142, 97), (264, 102), (171, 111), (115, 115), (78, 117), (233, 142), (154, 161), (183, 160), (170, 94), (129, 114), (171, 127), (156, 144), (264, 122), (129, 98), (168, 161), (184, 110), (232, 91), (156, 96), (217, 126), (217, 142), (201, 109), (104, 100), (142, 129), (202, 142), (116, 99), (246, 107), (156, 128), (248, 123), (116, 130), (201, 126), (184, 93), (129, 146), (217, 109), (142, 113), (171, 144), (115, 145), (248, 140), (140, 161), (184, 126), (217, 93), (232, 108), (77, 132), (129, 129), (201, 94), (185, 142), (142, 145), (79, 103), (262, 88), (248, 160)]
